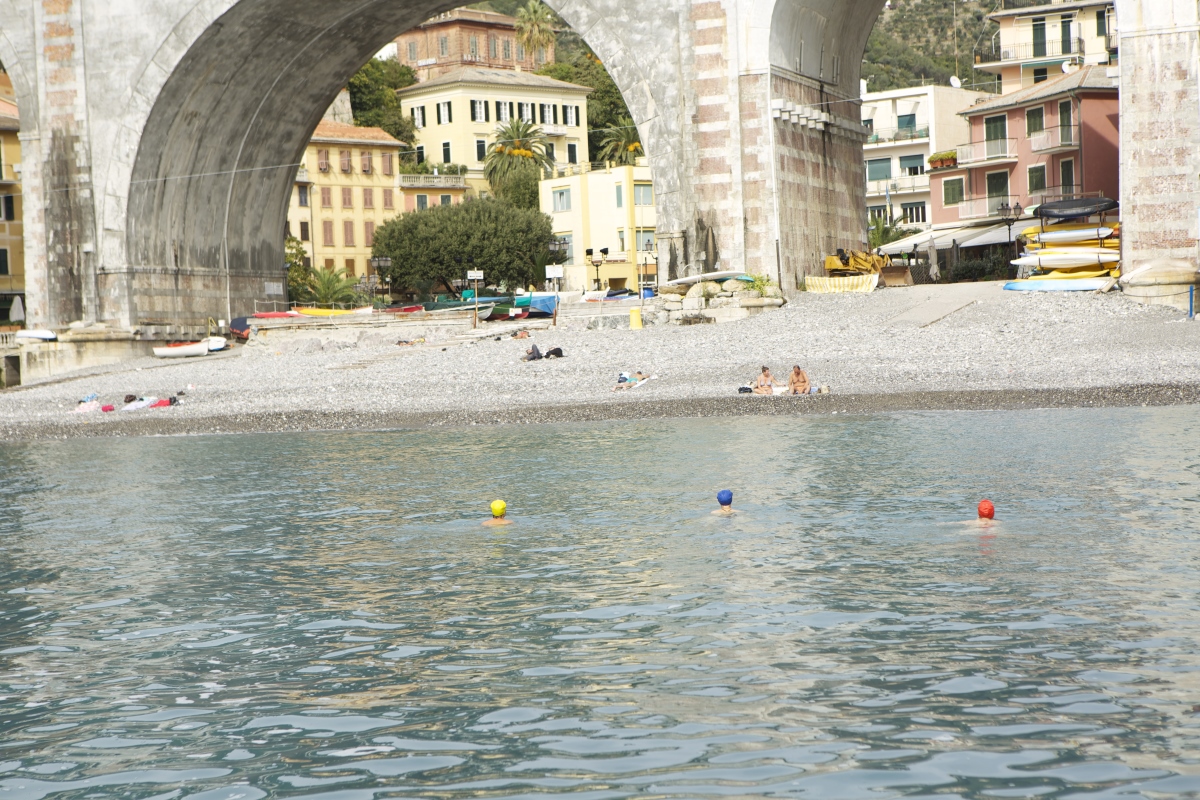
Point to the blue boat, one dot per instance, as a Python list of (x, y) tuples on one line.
[(1064, 285)]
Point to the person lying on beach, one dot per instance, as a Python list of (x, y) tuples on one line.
[(765, 383), (499, 518), (798, 382), (725, 501), (532, 354), (627, 381)]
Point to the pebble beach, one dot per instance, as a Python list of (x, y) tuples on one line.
[(1003, 349)]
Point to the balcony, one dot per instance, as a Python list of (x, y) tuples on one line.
[(551, 129), (1110, 41), (904, 184), (1053, 193), (892, 135), (431, 182), (1055, 139), (990, 150), (1015, 52), (979, 207)]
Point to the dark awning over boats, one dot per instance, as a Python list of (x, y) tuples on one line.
[(1070, 209)]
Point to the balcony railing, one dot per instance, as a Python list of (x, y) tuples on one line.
[(889, 135), (1027, 51), (432, 182), (1053, 138), (1053, 193), (1110, 41), (1011, 5), (990, 150), (899, 185), (977, 207)]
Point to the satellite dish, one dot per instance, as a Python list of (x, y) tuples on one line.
[(1066, 67), (955, 82)]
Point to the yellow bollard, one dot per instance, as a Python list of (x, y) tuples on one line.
[(635, 319)]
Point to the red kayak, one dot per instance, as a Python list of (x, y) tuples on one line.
[(276, 314), (403, 310)]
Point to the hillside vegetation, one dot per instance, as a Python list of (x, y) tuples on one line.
[(914, 43)]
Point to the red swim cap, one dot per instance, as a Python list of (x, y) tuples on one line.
[(986, 509)]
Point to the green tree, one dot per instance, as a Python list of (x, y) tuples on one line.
[(922, 41), (299, 274), (520, 148), (373, 97), (606, 106), (622, 145), (331, 287), (884, 232), (535, 27), (434, 245)]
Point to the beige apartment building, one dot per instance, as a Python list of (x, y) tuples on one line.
[(1038, 38), (457, 115), (605, 207), (349, 185), (466, 37), (12, 231)]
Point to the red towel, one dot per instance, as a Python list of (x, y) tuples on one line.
[(160, 404), (108, 408)]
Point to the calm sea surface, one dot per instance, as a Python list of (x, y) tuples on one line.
[(322, 615)]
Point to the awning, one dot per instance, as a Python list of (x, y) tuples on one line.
[(965, 235), (996, 234)]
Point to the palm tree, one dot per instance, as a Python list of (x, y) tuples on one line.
[(621, 145), (519, 146), (535, 27), (330, 286)]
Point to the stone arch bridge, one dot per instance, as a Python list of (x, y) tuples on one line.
[(160, 137)]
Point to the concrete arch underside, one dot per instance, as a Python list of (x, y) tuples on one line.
[(218, 152)]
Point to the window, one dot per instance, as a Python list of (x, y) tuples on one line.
[(473, 46), (1066, 174), (869, 124), (995, 134), (520, 52), (913, 212), (541, 55), (1064, 119), (906, 121), (326, 197), (303, 196), (621, 240), (420, 154), (369, 233), (388, 168), (548, 113), (349, 267), (550, 152), (4, 261), (1035, 120), (997, 190), (569, 240), (348, 233), (493, 44), (368, 197), (479, 111), (643, 194), (508, 49), (1101, 23), (1039, 38), (443, 46), (445, 152), (620, 196), (503, 111), (879, 169), (347, 163), (952, 191), (389, 199), (327, 232), (307, 262), (572, 154), (645, 239), (480, 150), (418, 116), (525, 112), (446, 199), (412, 51), (10, 207), (1037, 178), (304, 231), (1040, 74), (329, 263), (422, 202), (368, 162), (562, 200), (444, 113), (323, 160), (912, 165), (347, 197), (569, 116), (876, 212)]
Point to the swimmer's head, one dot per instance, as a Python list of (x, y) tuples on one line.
[(499, 507), (986, 509), (725, 497)]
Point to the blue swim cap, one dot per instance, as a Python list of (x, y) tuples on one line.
[(725, 497)]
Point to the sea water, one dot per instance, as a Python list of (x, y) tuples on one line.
[(323, 615)]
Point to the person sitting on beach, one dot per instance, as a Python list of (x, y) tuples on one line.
[(725, 500), (627, 381), (765, 383), (499, 518), (798, 382)]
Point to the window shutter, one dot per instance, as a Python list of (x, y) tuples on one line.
[(510, 110), (542, 113), (499, 113), (439, 113), (486, 116), (449, 112), (555, 109), (577, 117), (472, 103)]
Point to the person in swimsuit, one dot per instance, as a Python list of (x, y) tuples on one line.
[(499, 512), (798, 381), (766, 383), (630, 381), (725, 500)]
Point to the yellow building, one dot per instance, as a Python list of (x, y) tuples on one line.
[(457, 115), (12, 242), (349, 185), (1035, 41), (604, 208)]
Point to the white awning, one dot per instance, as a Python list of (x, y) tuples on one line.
[(944, 238), (996, 234)]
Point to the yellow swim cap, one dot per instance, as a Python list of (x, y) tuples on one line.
[(498, 508)]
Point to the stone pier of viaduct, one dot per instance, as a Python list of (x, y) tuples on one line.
[(161, 137)]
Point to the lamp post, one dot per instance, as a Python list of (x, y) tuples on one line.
[(558, 251), (597, 260), (381, 264), (1010, 214)]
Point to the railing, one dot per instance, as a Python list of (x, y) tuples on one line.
[(550, 129), (976, 207), (1052, 193), (8, 341), (432, 181), (899, 185), (302, 175), (1110, 41), (990, 150), (1010, 5), (567, 170), (1058, 136), (1024, 51), (889, 135)]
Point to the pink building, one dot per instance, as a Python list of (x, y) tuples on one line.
[(1052, 140)]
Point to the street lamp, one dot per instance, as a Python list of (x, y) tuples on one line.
[(1010, 214), (597, 260)]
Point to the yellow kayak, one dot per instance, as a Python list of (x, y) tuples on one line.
[(1060, 274), (332, 312)]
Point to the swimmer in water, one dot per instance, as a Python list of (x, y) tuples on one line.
[(499, 518), (725, 500), (986, 518)]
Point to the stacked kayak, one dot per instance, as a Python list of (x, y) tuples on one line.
[(1069, 257)]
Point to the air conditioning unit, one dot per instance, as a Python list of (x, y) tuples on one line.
[(1007, 55)]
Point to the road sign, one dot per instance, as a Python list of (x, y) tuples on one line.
[(474, 274), (554, 270)]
